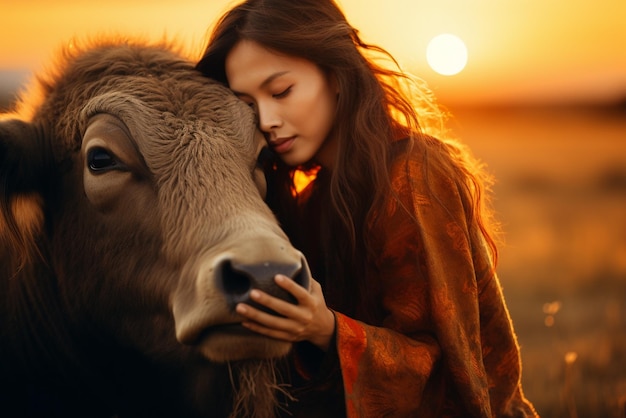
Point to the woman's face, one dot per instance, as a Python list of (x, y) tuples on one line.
[(294, 100)]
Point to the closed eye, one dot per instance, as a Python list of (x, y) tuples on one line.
[(282, 94)]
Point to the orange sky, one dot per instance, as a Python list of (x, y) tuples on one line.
[(519, 50)]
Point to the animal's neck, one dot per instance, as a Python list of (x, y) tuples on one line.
[(45, 356), (33, 326)]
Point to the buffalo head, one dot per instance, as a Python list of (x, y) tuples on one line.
[(132, 221)]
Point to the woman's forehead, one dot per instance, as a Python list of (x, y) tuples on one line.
[(250, 64)]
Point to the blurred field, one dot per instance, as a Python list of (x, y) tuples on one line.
[(561, 196)]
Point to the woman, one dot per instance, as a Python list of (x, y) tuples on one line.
[(408, 318)]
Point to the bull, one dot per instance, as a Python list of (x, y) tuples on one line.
[(132, 222)]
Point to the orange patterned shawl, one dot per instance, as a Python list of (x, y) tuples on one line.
[(446, 347)]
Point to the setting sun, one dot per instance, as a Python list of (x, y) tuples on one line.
[(575, 49), (446, 54)]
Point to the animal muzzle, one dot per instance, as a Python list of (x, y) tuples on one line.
[(210, 288), (237, 280)]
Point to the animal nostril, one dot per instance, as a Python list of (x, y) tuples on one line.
[(234, 283), (302, 276), (236, 280)]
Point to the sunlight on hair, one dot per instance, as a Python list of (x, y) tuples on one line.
[(446, 54)]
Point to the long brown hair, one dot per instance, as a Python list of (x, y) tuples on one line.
[(377, 105)]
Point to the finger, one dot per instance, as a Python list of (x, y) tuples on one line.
[(269, 325), (269, 332), (263, 318), (280, 306), (316, 287), (299, 292)]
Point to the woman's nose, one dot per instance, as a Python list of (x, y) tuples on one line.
[(268, 118)]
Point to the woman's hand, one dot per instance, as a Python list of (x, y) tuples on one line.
[(310, 320)]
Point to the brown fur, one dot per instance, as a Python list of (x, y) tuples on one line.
[(20, 226), (254, 400), (118, 286)]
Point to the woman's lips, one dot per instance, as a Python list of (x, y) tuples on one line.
[(283, 145)]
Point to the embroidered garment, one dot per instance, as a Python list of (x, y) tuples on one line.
[(444, 344)]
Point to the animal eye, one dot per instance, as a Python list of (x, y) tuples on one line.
[(282, 94), (99, 159)]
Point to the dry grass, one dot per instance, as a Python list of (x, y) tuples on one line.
[(561, 196)]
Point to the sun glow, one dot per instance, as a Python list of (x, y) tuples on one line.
[(446, 54), (301, 179)]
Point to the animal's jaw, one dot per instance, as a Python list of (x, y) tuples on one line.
[(234, 342)]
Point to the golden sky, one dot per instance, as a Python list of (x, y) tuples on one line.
[(518, 50)]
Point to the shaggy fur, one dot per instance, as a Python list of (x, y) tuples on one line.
[(130, 226)]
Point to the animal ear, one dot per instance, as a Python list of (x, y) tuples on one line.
[(22, 176)]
